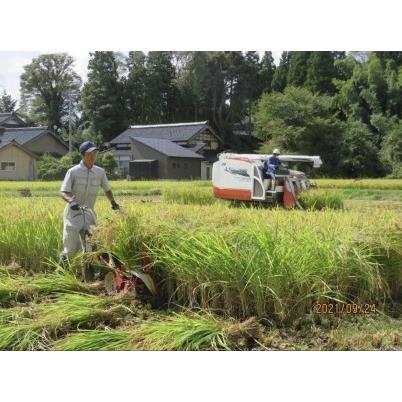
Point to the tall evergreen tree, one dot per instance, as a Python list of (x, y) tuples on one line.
[(102, 100), (159, 99), (395, 56), (135, 88), (320, 73), (279, 79), (7, 103), (298, 68), (267, 72)]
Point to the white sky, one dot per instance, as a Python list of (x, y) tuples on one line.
[(12, 63)]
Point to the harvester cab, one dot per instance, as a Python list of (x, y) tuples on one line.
[(241, 177)]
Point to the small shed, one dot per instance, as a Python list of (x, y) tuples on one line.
[(143, 169)]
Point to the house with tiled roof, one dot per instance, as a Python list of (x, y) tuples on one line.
[(11, 120), (21, 147), (179, 151)]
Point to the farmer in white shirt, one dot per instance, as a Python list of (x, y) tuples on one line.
[(79, 189)]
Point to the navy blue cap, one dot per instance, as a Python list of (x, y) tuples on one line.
[(87, 146)]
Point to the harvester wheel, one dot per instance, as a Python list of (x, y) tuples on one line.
[(88, 272), (110, 283)]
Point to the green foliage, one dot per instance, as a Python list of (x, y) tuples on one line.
[(320, 72), (7, 103), (297, 74), (47, 85), (300, 122), (108, 162), (359, 155), (102, 101), (279, 80), (267, 72), (51, 168), (392, 149)]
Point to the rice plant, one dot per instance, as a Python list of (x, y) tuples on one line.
[(56, 317), (379, 184), (23, 288), (201, 196), (26, 335), (319, 200), (96, 340), (11, 289), (195, 331), (263, 262), (81, 309), (182, 332)]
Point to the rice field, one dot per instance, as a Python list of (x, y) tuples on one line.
[(231, 278)]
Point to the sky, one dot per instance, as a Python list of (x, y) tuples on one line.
[(12, 66)]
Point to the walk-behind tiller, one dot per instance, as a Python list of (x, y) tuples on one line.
[(116, 276), (122, 280)]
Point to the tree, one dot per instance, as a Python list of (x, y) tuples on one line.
[(7, 103), (102, 101), (222, 86), (160, 93), (279, 79), (394, 56), (51, 168), (320, 73), (267, 71), (298, 66), (135, 88), (359, 155), (108, 162), (300, 122), (48, 84)]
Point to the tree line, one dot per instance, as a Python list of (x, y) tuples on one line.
[(345, 107)]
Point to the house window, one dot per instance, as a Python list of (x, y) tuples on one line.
[(7, 166)]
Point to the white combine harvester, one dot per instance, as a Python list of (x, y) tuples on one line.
[(241, 177)]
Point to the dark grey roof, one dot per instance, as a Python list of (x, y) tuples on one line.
[(4, 143), (143, 160), (167, 147), (15, 143), (22, 135), (197, 147), (171, 132), (25, 134), (6, 116)]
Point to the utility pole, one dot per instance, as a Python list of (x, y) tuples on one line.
[(70, 148)]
